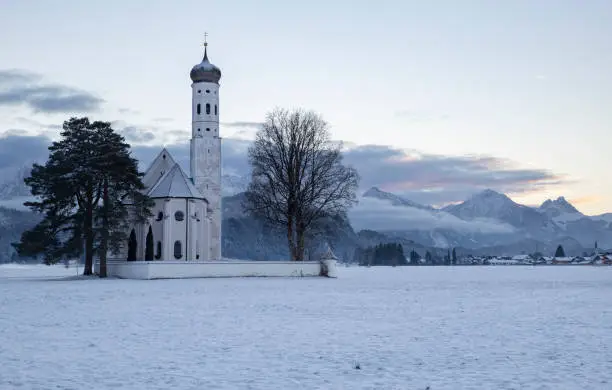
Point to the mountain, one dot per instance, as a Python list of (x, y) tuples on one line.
[(12, 224), (12, 184), (493, 205), (245, 237), (232, 184), (488, 223), (560, 210), (395, 200)]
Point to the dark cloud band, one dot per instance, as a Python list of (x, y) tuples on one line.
[(426, 179), (24, 88)]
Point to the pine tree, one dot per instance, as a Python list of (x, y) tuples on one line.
[(428, 258), (454, 258), (82, 190), (560, 252)]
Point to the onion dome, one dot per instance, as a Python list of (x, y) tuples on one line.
[(205, 71)]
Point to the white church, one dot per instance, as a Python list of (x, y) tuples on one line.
[(186, 224)]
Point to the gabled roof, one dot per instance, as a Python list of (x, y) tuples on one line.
[(174, 184), (163, 162)]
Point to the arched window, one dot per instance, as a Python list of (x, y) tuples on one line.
[(198, 109), (160, 216), (216, 109), (149, 245), (179, 216), (207, 108), (178, 250), (132, 246), (158, 251)]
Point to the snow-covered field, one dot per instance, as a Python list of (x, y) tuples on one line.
[(406, 328)]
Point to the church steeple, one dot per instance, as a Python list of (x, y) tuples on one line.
[(205, 71), (205, 160)]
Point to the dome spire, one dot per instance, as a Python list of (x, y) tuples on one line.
[(205, 46), (205, 71)]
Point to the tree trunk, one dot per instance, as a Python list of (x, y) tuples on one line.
[(105, 233), (291, 239), (301, 230), (88, 231)]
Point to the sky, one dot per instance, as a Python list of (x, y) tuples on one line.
[(434, 100)]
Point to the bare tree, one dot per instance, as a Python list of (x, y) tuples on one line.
[(297, 175)]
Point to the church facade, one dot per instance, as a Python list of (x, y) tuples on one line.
[(186, 221)]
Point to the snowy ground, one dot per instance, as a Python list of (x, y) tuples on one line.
[(407, 328)]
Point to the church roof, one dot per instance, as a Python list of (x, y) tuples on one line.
[(174, 184)]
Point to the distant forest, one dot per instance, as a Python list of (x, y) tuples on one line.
[(392, 254)]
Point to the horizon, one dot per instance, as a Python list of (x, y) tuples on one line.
[(461, 98)]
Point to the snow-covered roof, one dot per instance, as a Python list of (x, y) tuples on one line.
[(174, 184)]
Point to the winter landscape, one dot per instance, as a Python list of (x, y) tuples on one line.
[(408, 195), (383, 328)]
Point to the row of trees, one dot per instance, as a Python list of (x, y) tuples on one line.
[(381, 254), (393, 254), (88, 191)]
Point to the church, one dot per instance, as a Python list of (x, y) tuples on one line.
[(186, 223), (182, 239)]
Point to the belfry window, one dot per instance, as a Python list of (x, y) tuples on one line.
[(178, 250), (198, 109), (207, 108), (216, 110)]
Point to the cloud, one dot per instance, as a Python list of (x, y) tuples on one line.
[(133, 134), (18, 87), (234, 152), (437, 180), (128, 111), (17, 150), (38, 125), (242, 124), (377, 214), (423, 178), (163, 120)]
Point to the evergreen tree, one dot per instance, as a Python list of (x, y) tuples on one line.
[(414, 258), (149, 245), (560, 252), (454, 258), (428, 258), (82, 189)]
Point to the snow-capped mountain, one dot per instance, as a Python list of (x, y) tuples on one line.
[(560, 210), (11, 182), (486, 219), (395, 200), (387, 212), (493, 205)]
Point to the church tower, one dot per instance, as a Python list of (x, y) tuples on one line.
[(205, 159)]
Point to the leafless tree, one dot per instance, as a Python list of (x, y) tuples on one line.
[(297, 175)]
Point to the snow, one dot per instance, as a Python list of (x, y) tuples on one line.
[(516, 327)]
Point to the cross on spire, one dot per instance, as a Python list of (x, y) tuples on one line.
[(205, 39)]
